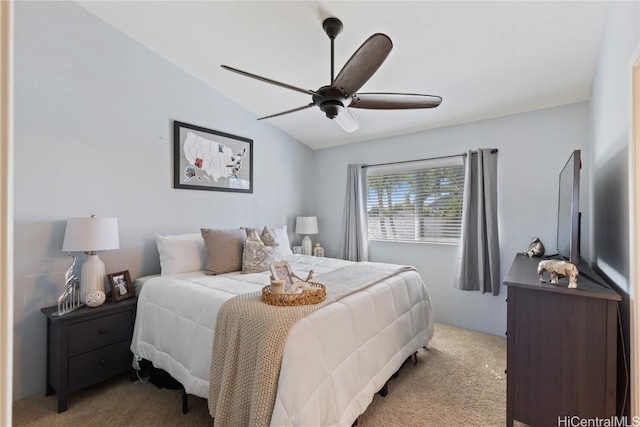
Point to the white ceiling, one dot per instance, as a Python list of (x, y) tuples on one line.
[(486, 59)]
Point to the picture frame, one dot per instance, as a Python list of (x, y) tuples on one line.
[(297, 250), (281, 271), (206, 159), (121, 285)]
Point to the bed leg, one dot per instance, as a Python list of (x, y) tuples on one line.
[(415, 358), (396, 373), (185, 407), (384, 390)]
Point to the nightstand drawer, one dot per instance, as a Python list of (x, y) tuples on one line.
[(93, 366), (96, 333)]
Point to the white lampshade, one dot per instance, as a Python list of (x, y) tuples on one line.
[(307, 225), (90, 235)]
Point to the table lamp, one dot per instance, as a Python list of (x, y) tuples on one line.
[(306, 225), (89, 235)]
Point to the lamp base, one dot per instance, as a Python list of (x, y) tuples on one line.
[(91, 276), (306, 245)]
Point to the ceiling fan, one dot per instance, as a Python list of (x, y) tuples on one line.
[(336, 99)]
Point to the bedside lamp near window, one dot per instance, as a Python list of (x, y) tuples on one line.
[(306, 225), (89, 235)]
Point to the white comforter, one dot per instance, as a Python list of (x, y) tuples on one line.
[(335, 359)]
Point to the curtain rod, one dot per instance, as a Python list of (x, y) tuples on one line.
[(493, 151)]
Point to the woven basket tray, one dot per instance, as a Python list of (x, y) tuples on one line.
[(288, 300)]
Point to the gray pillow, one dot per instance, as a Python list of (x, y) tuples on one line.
[(223, 250)]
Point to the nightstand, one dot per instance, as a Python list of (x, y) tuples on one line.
[(88, 346)]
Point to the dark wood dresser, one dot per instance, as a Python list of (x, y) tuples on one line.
[(561, 347), (87, 346)]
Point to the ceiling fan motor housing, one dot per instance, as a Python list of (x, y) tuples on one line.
[(330, 100), (331, 108)]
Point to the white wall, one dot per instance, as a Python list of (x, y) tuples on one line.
[(93, 135), (533, 148), (610, 125)]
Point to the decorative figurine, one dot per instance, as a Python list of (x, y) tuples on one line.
[(296, 288), (95, 298), (536, 248), (70, 298), (301, 284), (318, 250), (557, 268), (281, 270), (299, 287)]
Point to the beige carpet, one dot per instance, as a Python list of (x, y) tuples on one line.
[(459, 381)]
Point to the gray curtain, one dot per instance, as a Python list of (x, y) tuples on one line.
[(354, 245), (480, 264)]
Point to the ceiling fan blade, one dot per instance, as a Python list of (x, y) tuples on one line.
[(266, 80), (346, 120), (304, 107), (363, 64), (394, 101)]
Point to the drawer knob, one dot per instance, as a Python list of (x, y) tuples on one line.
[(102, 331), (103, 361)]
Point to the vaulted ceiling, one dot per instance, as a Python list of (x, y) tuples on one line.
[(485, 59)]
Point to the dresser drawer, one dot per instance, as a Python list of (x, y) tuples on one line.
[(96, 333), (94, 366)]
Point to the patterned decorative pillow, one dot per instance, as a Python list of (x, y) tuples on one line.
[(257, 257), (268, 237), (248, 230), (280, 237)]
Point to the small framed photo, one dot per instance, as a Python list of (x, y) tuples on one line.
[(281, 270), (297, 250), (121, 286)]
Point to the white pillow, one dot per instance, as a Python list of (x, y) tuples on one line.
[(181, 253), (283, 240)]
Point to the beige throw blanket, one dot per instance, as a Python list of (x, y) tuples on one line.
[(250, 337)]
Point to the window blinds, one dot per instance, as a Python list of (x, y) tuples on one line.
[(416, 201)]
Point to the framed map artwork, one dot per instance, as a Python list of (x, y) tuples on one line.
[(205, 159)]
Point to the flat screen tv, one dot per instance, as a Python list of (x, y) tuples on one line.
[(569, 209)]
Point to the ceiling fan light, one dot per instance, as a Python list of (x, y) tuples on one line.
[(332, 108), (347, 121)]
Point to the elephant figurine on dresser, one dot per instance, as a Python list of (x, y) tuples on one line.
[(557, 268)]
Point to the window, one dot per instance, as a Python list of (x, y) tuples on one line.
[(416, 201)]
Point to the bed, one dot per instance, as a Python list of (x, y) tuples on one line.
[(334, 360)]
